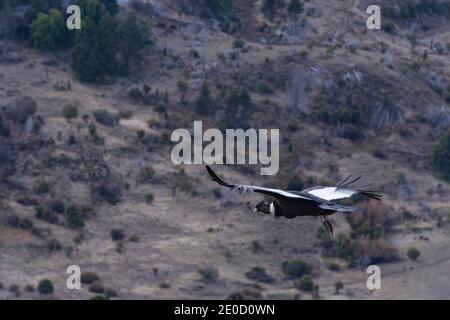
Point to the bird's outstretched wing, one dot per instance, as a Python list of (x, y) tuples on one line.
[(341, 191), (241, 188)]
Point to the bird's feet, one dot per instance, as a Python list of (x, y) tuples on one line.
[(328, 228)]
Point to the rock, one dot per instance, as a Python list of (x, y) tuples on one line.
[(20, 110)]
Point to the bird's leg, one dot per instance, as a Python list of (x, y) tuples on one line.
[(328, 227)]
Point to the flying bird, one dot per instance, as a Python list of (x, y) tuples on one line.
[(317, 201)]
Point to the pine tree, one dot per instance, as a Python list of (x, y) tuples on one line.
[(110, 6), (108, 40), (48, 30), (85, 53), (131, 40)]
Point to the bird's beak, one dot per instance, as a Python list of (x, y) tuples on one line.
[(255, 210)]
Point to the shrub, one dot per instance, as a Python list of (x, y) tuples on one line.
[(264, 88), (29, 288), (440, 158), (110, 293), (413, 254), (256, 246), (164, 285), (259, 274), (296, 268), (117, 235), (70, 112), (333, 266), (46, 215), (136, 94), (4, 131), (106, 118), (57, 206), (389, 27), (305, 283), (140, 134), (74, 220), (97, 287), (371, 221), (89, 277), (209, 274), (41, 187), (338, 286), (376, 251), (45, 287), (54, 245), (14, 288), (149, 198)]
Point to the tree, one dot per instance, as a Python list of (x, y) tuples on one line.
[(8, 22), (203, 103), (295, 7), (85, 53), (90, 9), (108, 47), (131, 40), (219, 7), (40, 6), (440, 158), (48, 30), (45, 287), (270, 7), (110, 6)]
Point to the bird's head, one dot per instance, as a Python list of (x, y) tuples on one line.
[(263, 207)]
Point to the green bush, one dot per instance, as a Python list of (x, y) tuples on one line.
[(89, 277), (74, 219), (305, 283), (296, 268), (70, 112), (46, 215), (57, 206), (45, 287), (209, 274), (413, 254), (117, 235), (97, 287), (106, 118), (149, 198), (440, 158), (48, 30), (41, 187)]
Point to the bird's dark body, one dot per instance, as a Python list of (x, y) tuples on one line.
[(290, 209)]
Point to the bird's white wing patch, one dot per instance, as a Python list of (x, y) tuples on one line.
[(242, 189), (332, 193)]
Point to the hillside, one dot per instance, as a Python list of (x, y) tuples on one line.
[(97, 188)]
